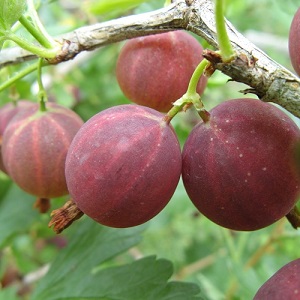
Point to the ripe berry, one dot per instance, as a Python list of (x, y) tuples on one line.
[(294, 42), (7, 112), (123, 165), (34, 148), (155, 70), (284, 284), (238, 168)]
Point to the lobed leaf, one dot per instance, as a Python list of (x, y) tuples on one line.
[(73, 274), (143, 279), (90, 245)]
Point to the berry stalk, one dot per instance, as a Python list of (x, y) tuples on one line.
[(191, 97), (42, 95), (18, 76), (42, 52), (225, 46), (294, 217), (49, 41), (35, 33)]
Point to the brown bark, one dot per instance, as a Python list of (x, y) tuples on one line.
[(266, 78)]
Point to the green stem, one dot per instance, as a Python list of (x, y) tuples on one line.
[(42, 52), (191, 96), (42, 95), (36, 20), (35, 33), (192, 91), (225, 46), (176, 108), (294, 217), (18, 76), (192, 88)]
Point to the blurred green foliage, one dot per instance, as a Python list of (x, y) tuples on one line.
[(223, 263)]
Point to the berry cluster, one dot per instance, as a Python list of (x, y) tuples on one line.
[(121, 168), (123, 165), (34, 147)]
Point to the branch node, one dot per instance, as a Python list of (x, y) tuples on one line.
[(67, 52), (212, 56)]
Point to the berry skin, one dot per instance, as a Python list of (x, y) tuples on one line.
[(155, 70), (239, 168), (123, 166), (34, 149), (284, 284), (294, 42), (7, 112)]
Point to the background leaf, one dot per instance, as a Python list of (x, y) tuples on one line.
[(10, 12), (143, 279), (102, 7), (16, 212), (9, 294), (90, 245)]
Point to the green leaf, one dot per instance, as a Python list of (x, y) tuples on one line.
[(102, 7), (82, 270), (5, 184), (90, 245), (9, 293), (10, 12), (16, 213), (143, 279)]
